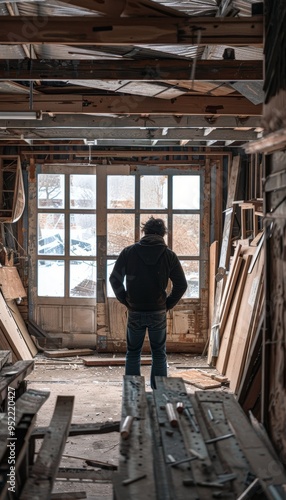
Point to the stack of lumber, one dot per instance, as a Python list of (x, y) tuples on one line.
[(240, 309)]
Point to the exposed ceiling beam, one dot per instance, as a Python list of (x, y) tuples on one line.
[(142, 69), (130, 134), (78, 121), (131, 104), (134, 30)]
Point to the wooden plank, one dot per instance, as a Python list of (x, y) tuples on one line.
[(198, 379), (49, 456), (22, 327), (135, 476), (263, 465), (217, 421), (184, 442), (141, 69), (94, 361), (5, 358), (11, 376), (63, 353), (212, 272), (232, 275), (82, 429), (224, 256), (228, 331), (243, 324), (10, 283), (82, 30), (12, 332)]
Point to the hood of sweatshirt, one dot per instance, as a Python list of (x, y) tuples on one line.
[(150, 248)]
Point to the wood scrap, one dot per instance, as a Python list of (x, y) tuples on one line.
[(215, 376), (95, 361), (198, 379), (65, 353)]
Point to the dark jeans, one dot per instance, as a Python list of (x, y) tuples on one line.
[(155, 323)]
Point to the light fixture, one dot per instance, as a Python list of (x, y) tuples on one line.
[(21, 115)]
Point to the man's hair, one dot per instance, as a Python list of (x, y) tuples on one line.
[(154, 226)]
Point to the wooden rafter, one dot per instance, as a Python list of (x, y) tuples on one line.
[(142, 69), (125, 31), (132, 104)]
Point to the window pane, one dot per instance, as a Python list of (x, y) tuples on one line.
[(82, 278), (120, 232), (192, 272), (186, 192), (51, 193), (51, 234), (145, 217), (120, 191), (83, 191), (83, 234), (186, 234), (153, 191), (51, 276)]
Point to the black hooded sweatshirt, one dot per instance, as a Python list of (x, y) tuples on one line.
[(147, 267)]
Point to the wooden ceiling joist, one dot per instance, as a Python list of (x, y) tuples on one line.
[(135, 134), (131, 104), (141, 69), (91, 30), (79, 121)]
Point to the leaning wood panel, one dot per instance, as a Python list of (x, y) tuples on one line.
[(12, 332), (10, 283), (244, 324), (49, 456), (228, 331), (22, 326)]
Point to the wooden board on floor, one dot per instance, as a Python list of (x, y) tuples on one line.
[(95, 361), (66, 353), (198, 379)]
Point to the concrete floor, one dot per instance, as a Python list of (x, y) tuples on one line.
[(98, 397)]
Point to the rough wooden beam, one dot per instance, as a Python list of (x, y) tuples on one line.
[(125, 31), (131, 104), (134, 134), (142, 69), (78, 121)]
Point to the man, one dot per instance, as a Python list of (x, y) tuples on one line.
[(147, 266)]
